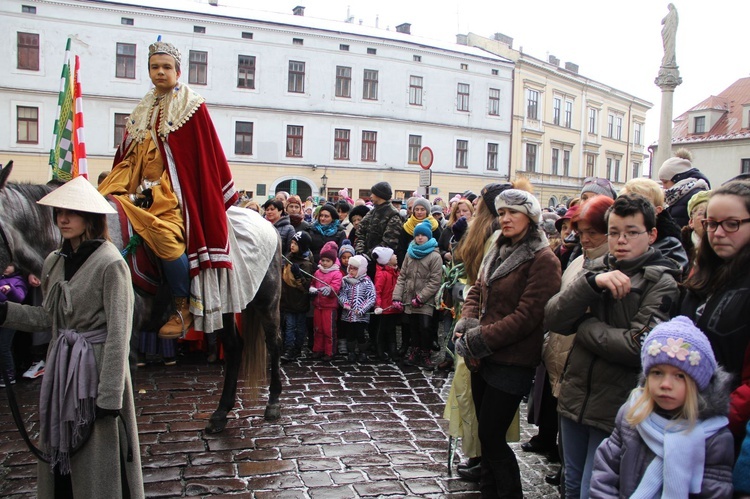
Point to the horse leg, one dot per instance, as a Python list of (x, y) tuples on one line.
[(271, 322), (232, 357)]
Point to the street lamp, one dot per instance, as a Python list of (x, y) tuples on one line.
[(324, 183)]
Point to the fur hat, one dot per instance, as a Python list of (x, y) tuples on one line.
[(77, 195), (489, 193), (548, 224), (382, 254), (423, 228), (360, 263), (330, 250), (382, 190), (360, 210), (303, 241), (518, 200), (680, 344), (674, 166), (423, 203), (600, 186)]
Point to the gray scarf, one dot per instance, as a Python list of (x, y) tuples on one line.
[(67, 403)]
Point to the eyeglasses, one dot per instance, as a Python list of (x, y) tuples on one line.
[(729, 225), (629, 235)]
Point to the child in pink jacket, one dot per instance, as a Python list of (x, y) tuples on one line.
[(325, 288)]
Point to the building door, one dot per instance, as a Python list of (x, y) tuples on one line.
[(294, 186)]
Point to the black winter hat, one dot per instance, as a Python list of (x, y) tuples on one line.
[(360, 210), (331, 210), (303, 241), (382, 190)]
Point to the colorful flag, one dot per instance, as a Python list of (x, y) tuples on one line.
[(68, 153)]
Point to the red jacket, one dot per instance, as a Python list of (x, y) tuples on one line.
[(385, 281)]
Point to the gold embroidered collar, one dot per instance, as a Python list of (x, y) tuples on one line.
[(176, 108)]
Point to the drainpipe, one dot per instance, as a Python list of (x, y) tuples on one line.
[(627, 148)]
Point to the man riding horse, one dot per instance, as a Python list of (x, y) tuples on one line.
[(174, 184)]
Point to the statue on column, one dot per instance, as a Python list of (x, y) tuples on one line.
[(668, 35)]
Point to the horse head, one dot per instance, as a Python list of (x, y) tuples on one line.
[(28, 231)]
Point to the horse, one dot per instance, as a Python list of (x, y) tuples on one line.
[(29, 233)]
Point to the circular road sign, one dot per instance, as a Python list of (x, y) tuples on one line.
[(426, 158)]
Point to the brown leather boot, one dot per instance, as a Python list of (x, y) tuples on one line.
[(180, 322)]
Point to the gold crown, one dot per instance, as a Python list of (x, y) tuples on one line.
[(164, 48)]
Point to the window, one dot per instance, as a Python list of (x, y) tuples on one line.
[(344, 47), (127, 21), (369, 145), (372, 51), (27, 125), (199, 29), (198, 69), (296, 77), (415, 90), (294, 141), (618, 127), (637, 129), (566, 163), (495, 72), (700, 124), (745, 165), (415, 144), (532, 104), (343, 81), (121, 120), (568, 114), (297, 41), (462, 154), (530, 157), (464, 66), (617, 170), (462, 101), (610, 125), (492, 149), (125, 62), (636, 170), (590, 165), (246, 71), (593, 114), (243, 137), (247, 35), (341, 144), (28, 51), (370, 87), (417, 58), (555, 161), (494, 107), (28, 9), (609, 168), (556, 106)]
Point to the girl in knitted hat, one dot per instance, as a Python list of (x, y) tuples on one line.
[(671, 437), (325, 288)]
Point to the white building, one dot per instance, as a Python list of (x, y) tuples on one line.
[(293, 98)]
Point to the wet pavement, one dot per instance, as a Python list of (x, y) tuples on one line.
[(346, 431)]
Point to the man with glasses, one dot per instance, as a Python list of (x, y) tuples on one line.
[(611, 313)]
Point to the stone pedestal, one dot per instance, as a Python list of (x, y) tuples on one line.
[(668, 79)]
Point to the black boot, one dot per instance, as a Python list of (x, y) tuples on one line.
[(501, 479), (471, 471)]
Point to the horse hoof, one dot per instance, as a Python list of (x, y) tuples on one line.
[(215, 426), (273, 412)]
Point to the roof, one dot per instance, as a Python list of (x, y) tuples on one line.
[(730, 103), (305, 22)]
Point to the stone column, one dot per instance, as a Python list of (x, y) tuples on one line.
[(667, 80)]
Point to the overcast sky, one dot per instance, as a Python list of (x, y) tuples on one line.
[(615, 42)]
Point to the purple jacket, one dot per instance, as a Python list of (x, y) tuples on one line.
[(18, 288), (622, 459)]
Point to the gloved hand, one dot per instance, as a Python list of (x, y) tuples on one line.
[(296, 271), (459, 228), (461, 348), (103, 413), (347, 306), (378, 310), (416, 302), (463, 325), (398, 306), (313, 290), (325, 290)]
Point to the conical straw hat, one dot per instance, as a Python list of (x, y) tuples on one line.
[(78, 195)]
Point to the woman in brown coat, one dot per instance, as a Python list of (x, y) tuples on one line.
[(500, 333)]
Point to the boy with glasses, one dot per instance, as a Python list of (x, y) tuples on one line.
[(611, 313)]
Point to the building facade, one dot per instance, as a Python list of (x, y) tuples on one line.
[(300, 104), (717, 133), (567, 127)]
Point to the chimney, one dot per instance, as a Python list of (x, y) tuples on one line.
[(503, 39), (404, 28), (298, 10), (572, 67), (213, 2), (554, 60), (462, 39)]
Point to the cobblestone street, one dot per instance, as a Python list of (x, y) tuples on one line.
[(347, 430)]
